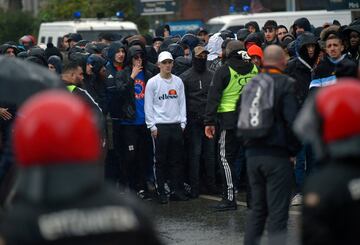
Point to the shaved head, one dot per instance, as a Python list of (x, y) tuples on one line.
[(274, 55)]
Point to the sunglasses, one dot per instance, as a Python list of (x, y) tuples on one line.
[(136, 57)]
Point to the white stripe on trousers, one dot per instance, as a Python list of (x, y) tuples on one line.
[(226, 167), (154, 165)]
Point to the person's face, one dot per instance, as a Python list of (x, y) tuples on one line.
[(256, 60), (299, 30), (310, 50), (72, 43), (52, 67), (334, 48), (204, 37), (10, 52), (137, 60), (166, 66), (102, 73), (281, 32), (354, 39), (186, 52), (251, 29), (157, 45), (89, 68), (78, 75), (65, 42), (120, 56), (166, 32), (270, 34)]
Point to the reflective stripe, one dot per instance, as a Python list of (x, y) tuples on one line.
[(226, 167)]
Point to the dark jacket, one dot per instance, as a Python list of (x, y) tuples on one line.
[(70, 204), (196, 91), (301, 68), (219, 82), (122, 105), (324, 73), (333, 216), (280, 137)]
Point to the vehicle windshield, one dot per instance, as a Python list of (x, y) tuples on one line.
[(93, 35), (213, 28)]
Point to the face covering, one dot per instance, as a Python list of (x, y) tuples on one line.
[(199, 64)]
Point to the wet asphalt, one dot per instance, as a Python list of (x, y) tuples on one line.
[(195, 222)]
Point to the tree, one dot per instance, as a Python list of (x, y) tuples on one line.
[(15, 24), (15, 5), (63, 10)]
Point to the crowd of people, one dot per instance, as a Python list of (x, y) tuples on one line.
[(169, 107)]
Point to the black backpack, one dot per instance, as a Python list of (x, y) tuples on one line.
[(256, 116)]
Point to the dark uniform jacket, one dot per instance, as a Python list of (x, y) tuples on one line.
[(331, 211)]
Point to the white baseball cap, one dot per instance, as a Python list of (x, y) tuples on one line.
[(165, 55)]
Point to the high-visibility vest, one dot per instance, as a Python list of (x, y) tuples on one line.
[(231, 93)]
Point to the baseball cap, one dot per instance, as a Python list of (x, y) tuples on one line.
[(165, 55), (200, 49)]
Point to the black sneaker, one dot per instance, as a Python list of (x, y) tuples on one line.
[(163, 199), (225, 205), (178, 196)]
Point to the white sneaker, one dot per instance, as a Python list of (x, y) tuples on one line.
[(297, 200)]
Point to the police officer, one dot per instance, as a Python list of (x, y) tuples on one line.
[(62, 198), (331, 123)]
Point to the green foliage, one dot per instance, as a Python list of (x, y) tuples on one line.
[(15, 24), (63, 10)]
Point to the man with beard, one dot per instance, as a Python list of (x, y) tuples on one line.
[(197, 82)]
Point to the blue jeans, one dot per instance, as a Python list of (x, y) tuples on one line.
[(305, 165)]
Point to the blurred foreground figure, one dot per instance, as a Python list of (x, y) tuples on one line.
[(331, 212), (61, 196)]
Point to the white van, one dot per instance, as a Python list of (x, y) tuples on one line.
[(316, 18), (52, 32)]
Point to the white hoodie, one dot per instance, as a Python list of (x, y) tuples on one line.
[(165, 101)]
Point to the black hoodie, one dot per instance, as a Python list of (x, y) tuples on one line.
[(218, 84), (301, 67)]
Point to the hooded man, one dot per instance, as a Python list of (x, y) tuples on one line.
[(55, 64), (130, 127), (301, 69), (197, 82), (353, 35), (301, 25), (222, 105), (117, 56), (252, 27)]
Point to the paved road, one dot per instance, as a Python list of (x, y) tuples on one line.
[(193, 222)]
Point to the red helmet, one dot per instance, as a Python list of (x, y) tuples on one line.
[(56, 127), (331, 121)]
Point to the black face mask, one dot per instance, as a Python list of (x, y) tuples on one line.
[(199, 64)]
